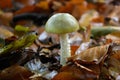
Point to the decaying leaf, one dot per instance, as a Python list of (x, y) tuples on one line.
[(73, 49), (87, 17), (75, 7), (96, 63), (100, 63), (73, 72), (27, 9), (23, 42), (7, 4), (111, 67), (95, 54), (44, 5), (15, 72), (5, 17), (40, 7)]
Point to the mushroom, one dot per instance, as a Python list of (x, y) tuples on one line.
[(62, 24)]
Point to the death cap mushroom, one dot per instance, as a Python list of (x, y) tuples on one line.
[(61, 23)]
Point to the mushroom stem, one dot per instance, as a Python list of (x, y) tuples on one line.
[(65, 48)]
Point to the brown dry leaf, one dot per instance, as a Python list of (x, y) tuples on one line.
[(38, 78), (5, 17), (69, 6), (111, 68), (43, 4), (95, 54), (31, 9), (87, 34), (4, 33), (107, 65), (73, 49), (15, 72), (116, 55), (73, 72), (101, 7), (27, 9), (40, 7), (72, 6), (76, 7), (87, 17), (112, 37), (99, 19), (5, 4), (79, 10), (77, 1), (80, 7)]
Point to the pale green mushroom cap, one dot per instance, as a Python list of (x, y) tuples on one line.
[(61, 23)]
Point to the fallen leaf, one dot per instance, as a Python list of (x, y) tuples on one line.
[(15, 72), (4, 33), (95, 54), (73, 72)]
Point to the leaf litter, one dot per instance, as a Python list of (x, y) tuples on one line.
[(27, 52)]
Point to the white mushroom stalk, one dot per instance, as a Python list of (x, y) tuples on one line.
[(65, 48), (62, 24)]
